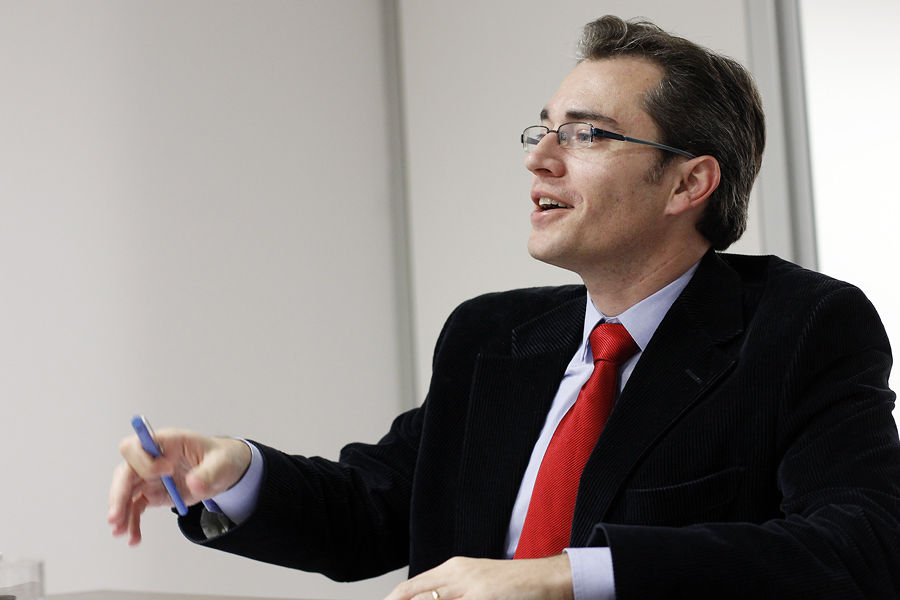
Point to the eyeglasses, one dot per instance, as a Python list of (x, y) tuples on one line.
[(581, 135)]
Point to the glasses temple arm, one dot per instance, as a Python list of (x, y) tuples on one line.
[(624, 138), (660, 146)]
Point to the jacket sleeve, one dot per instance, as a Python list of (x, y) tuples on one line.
[(347, 519)]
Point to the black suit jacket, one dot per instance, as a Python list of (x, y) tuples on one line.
[(751, 454)]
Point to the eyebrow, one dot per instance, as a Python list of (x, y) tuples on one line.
[(584, 115)]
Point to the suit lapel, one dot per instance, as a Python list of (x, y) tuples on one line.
[(510, 398), (682, 361)]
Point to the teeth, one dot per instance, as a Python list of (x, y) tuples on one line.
[(550, 203)]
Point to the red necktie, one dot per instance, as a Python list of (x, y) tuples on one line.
[(548, 523)]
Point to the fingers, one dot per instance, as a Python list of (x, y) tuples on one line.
[(136, 473), (425, 589), (129, 496), (181, 452), (421, 589), (444, 579), (136, 484), (484, 579), (119, 498), (143, 464), (134, 521), (126, 503), (432, 594)]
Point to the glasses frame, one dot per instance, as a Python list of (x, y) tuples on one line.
[(598, 133)]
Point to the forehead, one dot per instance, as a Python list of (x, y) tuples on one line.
[(610, 88)]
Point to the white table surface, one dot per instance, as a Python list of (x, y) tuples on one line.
[(123, 595)]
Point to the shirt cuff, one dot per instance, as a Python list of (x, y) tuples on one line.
[(592, 573), (238, 502)]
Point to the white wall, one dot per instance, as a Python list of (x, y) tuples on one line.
[(194, 196), (194, 224)]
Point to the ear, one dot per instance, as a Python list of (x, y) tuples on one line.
[(697, 179)]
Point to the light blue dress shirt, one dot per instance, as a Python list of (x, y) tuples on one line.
[(592, 570)]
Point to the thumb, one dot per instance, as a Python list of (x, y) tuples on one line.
[(225, 461)]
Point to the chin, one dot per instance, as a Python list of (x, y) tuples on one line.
[(546, 255), (536, 250)]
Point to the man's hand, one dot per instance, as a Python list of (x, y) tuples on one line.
[(483, 579), (201, 467)]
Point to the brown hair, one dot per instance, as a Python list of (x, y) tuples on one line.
[(706, 103)]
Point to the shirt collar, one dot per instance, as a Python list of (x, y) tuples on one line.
[(642, 319)]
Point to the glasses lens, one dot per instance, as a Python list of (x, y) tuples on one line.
[(532, 136), (575, 135)]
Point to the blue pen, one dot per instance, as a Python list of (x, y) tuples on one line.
[(145, 434)]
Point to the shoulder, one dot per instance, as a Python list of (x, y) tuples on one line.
[(762, 268), (503, 311), (522, 304), (773, 279), (486, 322), (784, 295)]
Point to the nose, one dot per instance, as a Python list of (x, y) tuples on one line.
[(546, 158)]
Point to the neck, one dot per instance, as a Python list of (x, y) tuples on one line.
[(616, 289)]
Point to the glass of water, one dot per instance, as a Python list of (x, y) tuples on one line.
[(21, 579)]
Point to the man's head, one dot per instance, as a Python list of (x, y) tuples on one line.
[(603, 207), (705, 103)]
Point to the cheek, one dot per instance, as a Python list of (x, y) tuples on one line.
[(592, 184), (616, 187), (604, 173), (613, 207)]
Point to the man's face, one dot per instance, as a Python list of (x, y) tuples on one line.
[(613, 214)]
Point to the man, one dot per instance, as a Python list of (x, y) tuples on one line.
[(750, 452)]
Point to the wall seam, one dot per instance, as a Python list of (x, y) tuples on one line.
[(399, 203)]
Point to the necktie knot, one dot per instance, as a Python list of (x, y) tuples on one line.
[(612, 342)]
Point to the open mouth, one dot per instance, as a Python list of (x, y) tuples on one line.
[(550, 204)]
